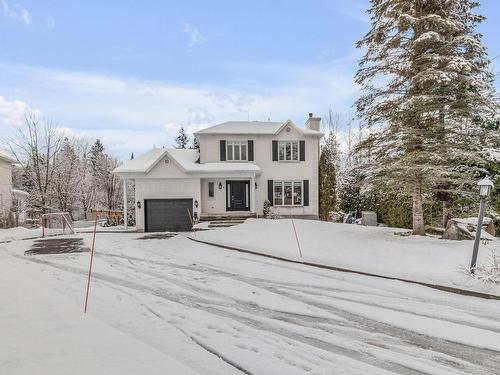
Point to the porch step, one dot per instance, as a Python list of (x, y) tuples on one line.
[(226, 217), (226, 225), (226, 222)]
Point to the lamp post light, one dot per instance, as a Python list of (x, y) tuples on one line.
[(485, 186)]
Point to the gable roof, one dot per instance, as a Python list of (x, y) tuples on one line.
[(254, 127), (186, 159), (141, 163), (7, 157)]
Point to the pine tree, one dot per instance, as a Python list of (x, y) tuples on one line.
[(96, 151), (426, 84), (182, 139), (196, 143), (328, 163)]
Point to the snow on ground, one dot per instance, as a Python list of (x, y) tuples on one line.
[(40, 340), (177, 306), (19, 233), (374, 250)]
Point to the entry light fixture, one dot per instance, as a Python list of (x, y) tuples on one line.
[(196, 204), (256, 185), (138, 204), (220, 185)]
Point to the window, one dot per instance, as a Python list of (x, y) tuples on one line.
[(288, 151), (211, 189), (236, 151), (288, 193)]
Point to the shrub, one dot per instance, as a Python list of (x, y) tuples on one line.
[(267, 208)]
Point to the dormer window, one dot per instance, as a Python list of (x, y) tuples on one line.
[(288, 151), (236, 151)]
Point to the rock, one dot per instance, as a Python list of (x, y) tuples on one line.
[(457, 231), (465, 228), (369, 218)]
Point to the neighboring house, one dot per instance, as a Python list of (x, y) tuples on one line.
[(6, 163), (239, 165), (20, 204)]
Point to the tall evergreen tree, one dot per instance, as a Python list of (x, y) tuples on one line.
[(426, 86), (328, 163), (182, 139), (96, 152), (196, 143), (327, 181)]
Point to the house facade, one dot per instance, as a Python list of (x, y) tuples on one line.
[(238, 166), (6, 162)]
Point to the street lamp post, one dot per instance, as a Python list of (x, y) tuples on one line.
[(485, 185)]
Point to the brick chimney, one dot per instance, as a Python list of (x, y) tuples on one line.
[(313, 122)]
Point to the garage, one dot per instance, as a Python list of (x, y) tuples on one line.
[(168, 215)]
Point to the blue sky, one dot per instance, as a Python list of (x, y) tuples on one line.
[(132, 72)]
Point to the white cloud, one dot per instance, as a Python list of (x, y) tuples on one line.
[(134, 115), (12, 112), (16, 12), (194, 34)]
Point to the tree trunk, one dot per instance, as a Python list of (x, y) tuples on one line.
[(446, 212), (418, 213)]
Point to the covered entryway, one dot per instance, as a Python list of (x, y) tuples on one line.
[(238, 195), (168, 215)]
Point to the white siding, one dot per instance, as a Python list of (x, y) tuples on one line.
[(164, 189), (216, 204), (5, 187), (165, 181), (271, 170)]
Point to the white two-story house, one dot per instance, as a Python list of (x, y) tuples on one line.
[(238, 166)]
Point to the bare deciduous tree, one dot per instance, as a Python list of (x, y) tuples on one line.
[(37, 143)]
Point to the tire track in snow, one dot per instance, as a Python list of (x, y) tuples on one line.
[(473, 355), (205, 304)]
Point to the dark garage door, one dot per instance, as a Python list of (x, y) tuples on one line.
[(168, 215)]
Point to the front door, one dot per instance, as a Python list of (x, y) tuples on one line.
[(238, 195)]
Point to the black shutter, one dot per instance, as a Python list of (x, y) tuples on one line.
[(306, 192), (275, 150), (302, 148), (222, 150), (250, 150), (270, 191)]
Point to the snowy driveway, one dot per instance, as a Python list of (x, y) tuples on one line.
[(221, 312)]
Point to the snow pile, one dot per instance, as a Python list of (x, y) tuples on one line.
[(19, 233), (374, 250)]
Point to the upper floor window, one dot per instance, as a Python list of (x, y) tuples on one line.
[(236, 151), (288, 150)]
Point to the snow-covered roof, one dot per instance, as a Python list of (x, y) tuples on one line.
[(186, 159), (254, 127), (4, 155), (141, 163)]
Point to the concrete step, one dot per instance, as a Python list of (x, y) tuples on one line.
[(239, 221), (221, 225), (224, 217)]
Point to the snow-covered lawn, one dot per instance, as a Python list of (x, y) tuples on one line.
[(19, 233), (374, 250), (175, 306)]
